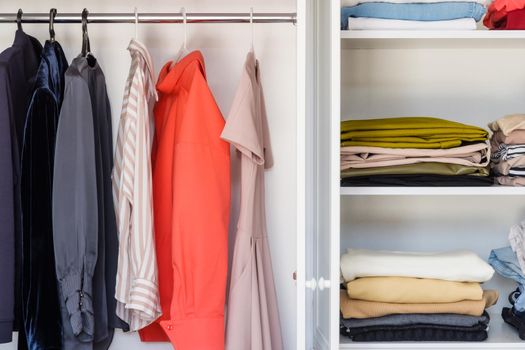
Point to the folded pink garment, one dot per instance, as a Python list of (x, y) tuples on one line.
[(508, 123), (504, 166), (511, 180), (515, 137), (477, 155)]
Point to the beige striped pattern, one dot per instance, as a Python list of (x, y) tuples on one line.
[(137, 291)]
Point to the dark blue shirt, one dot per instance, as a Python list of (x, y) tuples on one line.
[(18, 67)]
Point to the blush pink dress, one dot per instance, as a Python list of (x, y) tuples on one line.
[(252, 320)]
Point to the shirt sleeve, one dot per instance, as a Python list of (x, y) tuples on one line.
[(241, 129), (137, 276), (75, 218)]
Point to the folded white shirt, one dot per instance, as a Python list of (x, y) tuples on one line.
[(362, 23), (348, 3), (459, 266)]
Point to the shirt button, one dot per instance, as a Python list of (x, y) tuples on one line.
[(170, 327)]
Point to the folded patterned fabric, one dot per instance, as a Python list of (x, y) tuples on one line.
[(508, 124), (441, 11), (505, 167), (417, 180), (505, 152), (412, 290), (409, 132), (349, 3), (352, 308), (416, 333), (363, 23), (419, 169), (513, 138), (459, 265), (510, 180), (477, 154), (516, 172), (414, 319)]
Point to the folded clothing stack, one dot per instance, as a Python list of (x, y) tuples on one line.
[(505, 14), (508, 145), (400, 296), (413, 151), (509, 262), (411, 14)]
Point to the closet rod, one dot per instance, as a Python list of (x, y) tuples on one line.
[(153, 18)]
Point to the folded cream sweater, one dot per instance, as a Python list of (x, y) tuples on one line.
[(460, 266)]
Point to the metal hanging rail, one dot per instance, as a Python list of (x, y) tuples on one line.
[(153, 18)]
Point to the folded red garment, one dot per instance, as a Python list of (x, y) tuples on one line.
[(515, 20), (497, 13)]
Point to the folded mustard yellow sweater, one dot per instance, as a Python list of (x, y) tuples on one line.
[(412, 290), (365, 309), (409, 132)]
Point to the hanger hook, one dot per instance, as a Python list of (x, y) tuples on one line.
[(85, 36), (185, 22), (19, 15), (52, 14), (251, 24), (136, 23)]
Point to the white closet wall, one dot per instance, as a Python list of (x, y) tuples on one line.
[(224, 47)]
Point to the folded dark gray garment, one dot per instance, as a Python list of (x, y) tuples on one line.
[(414, 319), (419, 332), (417, 180)]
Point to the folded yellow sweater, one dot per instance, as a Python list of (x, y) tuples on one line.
[(409, 132), (365, 309), (412, 290)]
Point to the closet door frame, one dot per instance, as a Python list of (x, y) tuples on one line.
[(322, 193)]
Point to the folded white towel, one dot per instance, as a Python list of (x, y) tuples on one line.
[(460, 266), (348, 3), (361, 23)]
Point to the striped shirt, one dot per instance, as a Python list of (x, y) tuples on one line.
[(506, 152), (136, 291)]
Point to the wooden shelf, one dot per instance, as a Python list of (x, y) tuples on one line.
[(433, 191), (370, 39)]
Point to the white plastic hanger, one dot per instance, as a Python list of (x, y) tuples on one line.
[(136, 24), (184, 48)]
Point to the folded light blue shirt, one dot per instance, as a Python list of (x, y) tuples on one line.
[(505, 262), (441, 11)]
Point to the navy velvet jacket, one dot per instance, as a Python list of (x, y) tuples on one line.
[(41, 308)]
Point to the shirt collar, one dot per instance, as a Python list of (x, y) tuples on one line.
[(168, 78), (137, 47)]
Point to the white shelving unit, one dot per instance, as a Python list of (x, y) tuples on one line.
[(370, 39), (472, 77)]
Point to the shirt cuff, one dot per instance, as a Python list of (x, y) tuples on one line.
[(79, 304), (6, 332), (144, 297)]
